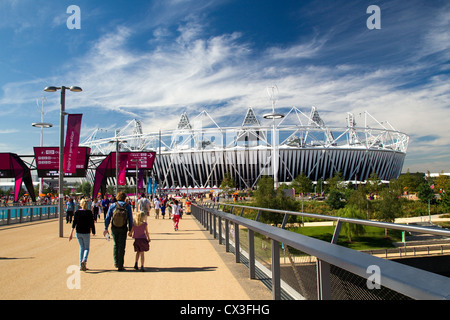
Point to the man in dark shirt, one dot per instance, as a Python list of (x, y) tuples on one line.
[(119, 233), (105, 205)]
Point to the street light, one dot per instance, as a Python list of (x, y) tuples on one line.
[(137, 176), (42, 125), (273, 115), (117, 141), (61, 149)]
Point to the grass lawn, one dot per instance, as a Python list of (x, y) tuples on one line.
[(373, 238)]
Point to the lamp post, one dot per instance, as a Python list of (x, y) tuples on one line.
[(273, 115), (117, 141), (61, 149), (42, 125), (137, 177)]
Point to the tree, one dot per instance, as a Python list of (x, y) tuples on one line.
[(374, 184), (227, 184), (334, 199), (352, 229), (411, 181), (358, 199), (335, 182), (446, 202), (265, 192), (85, 188), (389, 206), (267, 197), (441, 183), (425, 193), (302, 184)]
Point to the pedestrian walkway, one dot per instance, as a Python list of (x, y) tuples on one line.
[(186, 264)]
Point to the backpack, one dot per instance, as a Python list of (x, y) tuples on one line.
[(120, 216)]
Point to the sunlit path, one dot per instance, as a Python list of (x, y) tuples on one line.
[(180, 265)]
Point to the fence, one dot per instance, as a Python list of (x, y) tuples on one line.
[(327, 270), (11, 215)]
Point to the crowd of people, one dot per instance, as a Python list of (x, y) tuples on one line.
[(123, 216)]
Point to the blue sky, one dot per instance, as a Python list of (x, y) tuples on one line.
[(152, 60)]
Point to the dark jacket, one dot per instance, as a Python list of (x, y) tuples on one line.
[(83, 221)]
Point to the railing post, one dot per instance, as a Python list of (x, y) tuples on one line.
[(276, 281), (251, 253), (220, 230), (258, 215), (323, 280), (236, 243), (337, 230), (227, 236), (214, 225), (210, 222)]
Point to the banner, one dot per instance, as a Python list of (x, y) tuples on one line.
[(141, 179), (149, 186), (71, 145), (123, 160)]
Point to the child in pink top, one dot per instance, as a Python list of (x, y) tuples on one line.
[(139, 232)]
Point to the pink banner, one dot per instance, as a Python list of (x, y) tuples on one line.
[(123, 159), (72, 140)]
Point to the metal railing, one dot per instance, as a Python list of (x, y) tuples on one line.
[(337, 268), (20, 214)]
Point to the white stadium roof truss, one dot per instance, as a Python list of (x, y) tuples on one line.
[(196, 156)]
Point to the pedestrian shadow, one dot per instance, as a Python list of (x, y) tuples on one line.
[(97, 271), (15, 258), (180, 269)]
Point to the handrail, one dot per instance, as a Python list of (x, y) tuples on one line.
[(30, 213), (388, 225), (409, 281)]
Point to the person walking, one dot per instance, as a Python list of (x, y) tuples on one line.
[(105, 206), (163, 208), (70, 207), (83, 223), (176, 214), (120, 216), (157, 207), (144, 205), (139, 232), (96, 209)]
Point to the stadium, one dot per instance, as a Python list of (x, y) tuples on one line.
[(198, 152)]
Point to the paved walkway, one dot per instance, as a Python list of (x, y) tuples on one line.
[(184, 264)]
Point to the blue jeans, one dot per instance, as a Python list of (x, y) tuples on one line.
[(84, 240)]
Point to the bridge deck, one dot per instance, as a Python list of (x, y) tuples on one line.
[(180, 265)]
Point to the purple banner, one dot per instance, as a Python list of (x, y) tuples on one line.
[(141, 179), (123, 158), (72, 140)]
